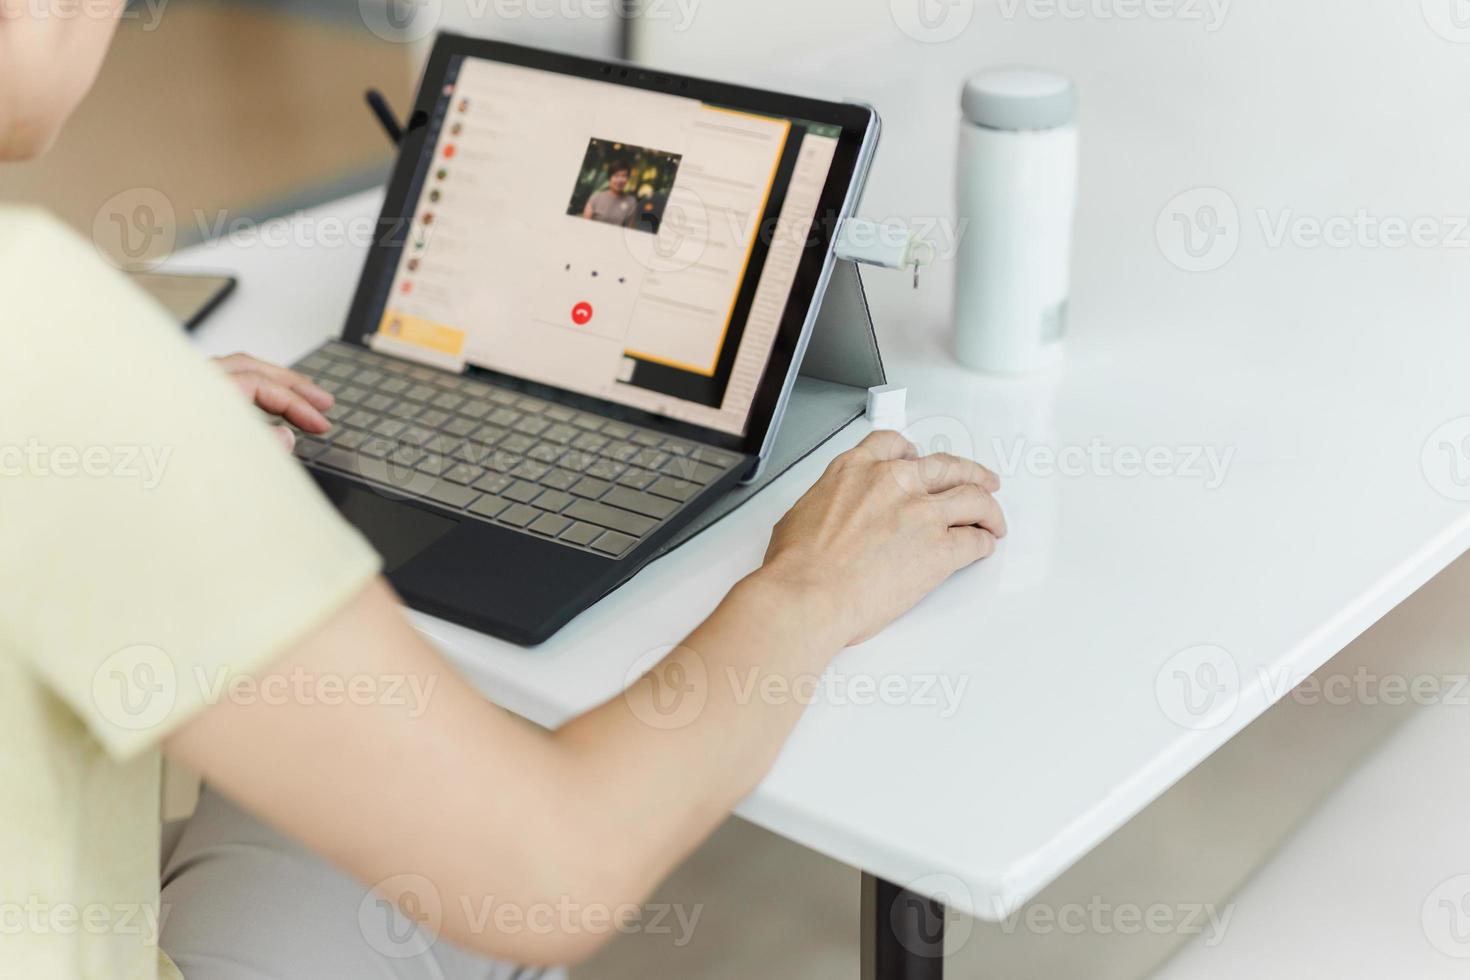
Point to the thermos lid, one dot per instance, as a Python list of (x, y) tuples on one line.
[(1018, 98)]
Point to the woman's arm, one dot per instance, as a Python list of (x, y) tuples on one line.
[(447, 802)]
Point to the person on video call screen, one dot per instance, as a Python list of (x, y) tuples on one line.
[(614, 205)]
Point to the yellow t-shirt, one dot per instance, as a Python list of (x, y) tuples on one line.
[(155, 540)]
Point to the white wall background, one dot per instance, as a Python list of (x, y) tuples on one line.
[(1337, 74)]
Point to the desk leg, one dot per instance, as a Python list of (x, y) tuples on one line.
[(902, 933)]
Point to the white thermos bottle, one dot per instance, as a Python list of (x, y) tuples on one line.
[(1017, 195)]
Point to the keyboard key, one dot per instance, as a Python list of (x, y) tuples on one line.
[(517, 443), (617, 430), (622, 452), (641, 503), (348, 438), (368, 377), (379, 402), (475, 408), (591, 488), (393, 386), (576, 461), (530, 470), (504, 417), (502, 397), (605, 469), (589, 422), (522, 492), (388, 428), (502, 461), (442, 444), (489, 506), (680, 490), (519, 515), (474, 453), (526, 403), (448, 402), (544, 452), (405, 456), (580, 533), (647, 438), (613, 543), (637, 479), (550, 524), (460, 426), (490, 434), (493, 483), (561, 434), (559, 479), (361, 420), (560, 413), (376, 447), (420, 393), (417, 435), (685, 469), (553, 500), (337, 459), (340, 370), (609, 517), (452, 494), (463, 473), (432, 464), (531, 425), (353, 394), (589, 441), (715, 457), (432, 417), (651, 459), (307, 447)]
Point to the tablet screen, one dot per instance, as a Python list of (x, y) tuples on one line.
[(635, 246)]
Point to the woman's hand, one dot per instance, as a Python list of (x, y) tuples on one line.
[(280, 392), (880, 530)]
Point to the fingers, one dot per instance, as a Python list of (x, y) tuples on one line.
[(885, 445), (287, 437), (969, 545), (971, 506), (278, 399), (316, 396), (943, 471)]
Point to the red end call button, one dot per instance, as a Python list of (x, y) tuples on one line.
[(582, 314)]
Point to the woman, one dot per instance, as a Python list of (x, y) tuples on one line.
[(205, 605)]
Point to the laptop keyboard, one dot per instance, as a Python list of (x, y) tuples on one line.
[(496, 455)]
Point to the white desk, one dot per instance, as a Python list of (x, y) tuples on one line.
[(1324, 370), (1324, 522)]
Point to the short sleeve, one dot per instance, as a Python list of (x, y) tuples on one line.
[(156, 541)]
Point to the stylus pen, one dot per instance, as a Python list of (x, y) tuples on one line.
[(379, 105)]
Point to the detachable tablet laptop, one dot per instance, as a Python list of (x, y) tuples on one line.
[(580, 319)]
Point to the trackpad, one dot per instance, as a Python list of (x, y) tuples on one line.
[(397, 530)]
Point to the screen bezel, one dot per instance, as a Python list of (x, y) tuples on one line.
[(858, 124)]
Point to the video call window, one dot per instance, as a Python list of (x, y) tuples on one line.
[(621, 184), (634, 246)]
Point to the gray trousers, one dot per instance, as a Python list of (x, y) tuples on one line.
[(241, 902)]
